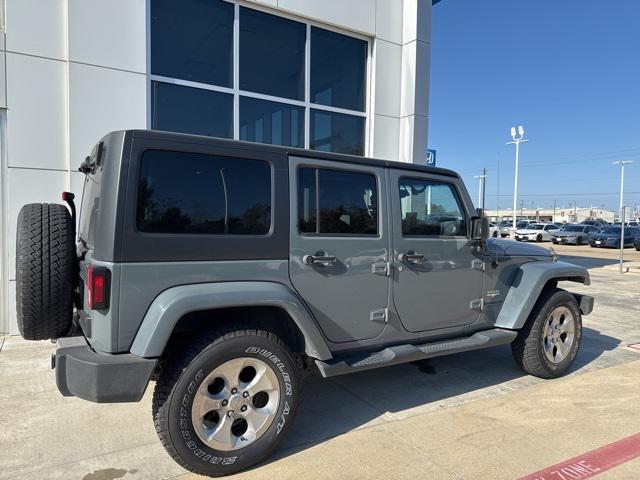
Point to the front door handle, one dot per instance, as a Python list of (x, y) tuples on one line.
[(320, 259), (411, 257)]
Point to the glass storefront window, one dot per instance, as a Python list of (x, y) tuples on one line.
[(271, 54), (337, 132), (193, 40), (191, 110), (289, 83), (271, 122)]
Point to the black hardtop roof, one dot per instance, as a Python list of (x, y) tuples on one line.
[(251, 146)]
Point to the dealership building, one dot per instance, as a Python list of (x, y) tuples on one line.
[(334, 75)]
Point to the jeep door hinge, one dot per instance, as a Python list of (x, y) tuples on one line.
[(380, 315), (381, 268), (477, 304)]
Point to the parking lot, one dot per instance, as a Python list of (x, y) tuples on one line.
[(469, 416)]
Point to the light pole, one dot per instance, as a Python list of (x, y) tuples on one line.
[(481, 179), (622, 163), (518, 138)]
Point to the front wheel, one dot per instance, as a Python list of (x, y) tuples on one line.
[(579, 241), (548, 343), (539, 238), (226, 403)]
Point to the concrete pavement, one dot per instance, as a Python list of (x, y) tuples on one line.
[(468, 416)]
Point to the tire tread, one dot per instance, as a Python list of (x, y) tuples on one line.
[(45, 265), (176, 363)]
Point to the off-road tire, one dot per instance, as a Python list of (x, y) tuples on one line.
[(528, 347), (181, 375), (46, 264)]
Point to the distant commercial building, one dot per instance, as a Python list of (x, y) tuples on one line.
[(346, 76), (563, 215)]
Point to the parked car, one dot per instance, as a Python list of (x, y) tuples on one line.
[(574, 234), (595, 223), (505, 229), (225, 271), (610, 237), (633, 223), (537, 232)]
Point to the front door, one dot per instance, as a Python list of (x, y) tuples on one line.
[(438, 269), (339, 246)]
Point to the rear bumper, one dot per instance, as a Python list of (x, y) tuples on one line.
[(99, 377)]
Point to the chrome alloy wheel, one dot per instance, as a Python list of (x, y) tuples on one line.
[(236, 403), (559, 334)]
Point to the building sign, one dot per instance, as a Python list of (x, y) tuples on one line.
[(431, 158)]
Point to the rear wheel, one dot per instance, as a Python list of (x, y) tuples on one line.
[(579, 241), (46, 268), (539, 238), (548, 343), (226, 403)]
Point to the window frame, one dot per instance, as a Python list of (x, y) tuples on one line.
[(316, 234), (237, 93), (145, 247), (459, 201)]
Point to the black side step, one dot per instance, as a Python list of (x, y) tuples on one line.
[(411, 353)]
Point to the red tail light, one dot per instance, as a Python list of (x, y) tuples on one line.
[(98, 287)]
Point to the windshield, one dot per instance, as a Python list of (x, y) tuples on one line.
[(572, 228), (615, 230), (536, 226)]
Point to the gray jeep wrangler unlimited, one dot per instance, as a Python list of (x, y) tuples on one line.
[(223, 271)]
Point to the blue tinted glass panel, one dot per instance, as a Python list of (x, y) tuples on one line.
[(194, 193), (192, 40), (338, 66), (336, 132), (191, 110), (271, 54), (271, 122)]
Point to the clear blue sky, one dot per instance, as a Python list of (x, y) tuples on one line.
[(568, 70)]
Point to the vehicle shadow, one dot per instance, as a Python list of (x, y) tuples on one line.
[(588, 262), (335, 406)]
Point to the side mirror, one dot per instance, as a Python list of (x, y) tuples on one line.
[(479, 228)]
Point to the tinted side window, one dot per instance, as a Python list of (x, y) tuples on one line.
[(203, 194), (337, 202), (431, 209)]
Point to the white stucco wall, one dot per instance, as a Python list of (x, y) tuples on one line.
[(73, 70)]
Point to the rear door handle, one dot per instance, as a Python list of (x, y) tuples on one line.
[(324, 260), (411, 257)]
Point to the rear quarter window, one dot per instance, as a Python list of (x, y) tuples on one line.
[(193, 193)]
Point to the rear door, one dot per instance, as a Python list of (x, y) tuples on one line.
[(438, 269), (340, 246)]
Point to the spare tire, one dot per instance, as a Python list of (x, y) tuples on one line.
[(46, 269)]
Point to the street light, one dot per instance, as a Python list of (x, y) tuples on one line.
[(621, 212), (518, 138), (482, 179)]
